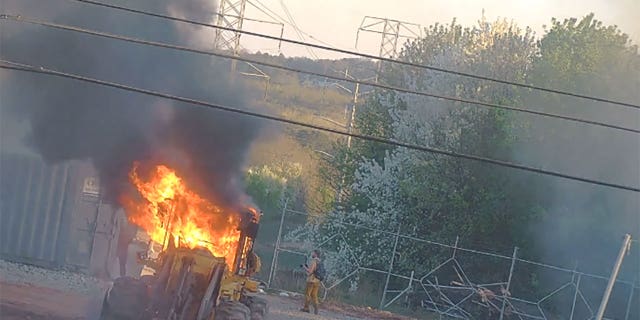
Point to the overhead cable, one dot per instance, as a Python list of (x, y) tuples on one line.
[(43, 70), (368, 56), (328, 76)]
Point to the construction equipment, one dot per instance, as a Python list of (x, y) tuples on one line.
[(193, 284)]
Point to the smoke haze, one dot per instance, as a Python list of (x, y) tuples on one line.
[(112, 128), (584, 224)]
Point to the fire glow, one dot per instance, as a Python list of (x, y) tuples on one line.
[(168, 204)]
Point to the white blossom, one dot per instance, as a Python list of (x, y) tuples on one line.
[(366, 237)]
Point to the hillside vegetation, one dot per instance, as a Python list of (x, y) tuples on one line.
[(441, 198)]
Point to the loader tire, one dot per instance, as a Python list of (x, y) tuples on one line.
[(258, 307), (126, 300), (232, 310)]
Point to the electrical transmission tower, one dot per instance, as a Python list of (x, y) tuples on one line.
[(230, 15), (392, 32)]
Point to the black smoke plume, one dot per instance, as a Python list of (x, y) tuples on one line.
[(113, 128)]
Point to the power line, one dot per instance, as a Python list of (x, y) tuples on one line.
[(42, 70), (298, 31), (328, 76), (285, 21), (290, 21), (295, 27), (368, 56), (262, 10)]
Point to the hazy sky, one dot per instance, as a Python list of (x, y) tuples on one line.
[(336, 21)]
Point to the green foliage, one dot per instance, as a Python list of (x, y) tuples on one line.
[(439, 197), (584, 56), (427, 195), (308, 99), (269, 185), (574, 53), (490, 207)]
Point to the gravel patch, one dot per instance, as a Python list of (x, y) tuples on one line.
[(17, 273)]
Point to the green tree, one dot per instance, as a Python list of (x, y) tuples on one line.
[(433, 196), (584, 222), (268, 185)]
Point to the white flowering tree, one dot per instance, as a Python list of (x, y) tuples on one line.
[(428, 195)]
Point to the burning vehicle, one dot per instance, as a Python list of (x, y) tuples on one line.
[(173, 167), (204, 269)]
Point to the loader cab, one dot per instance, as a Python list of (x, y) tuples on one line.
[(246, 262)]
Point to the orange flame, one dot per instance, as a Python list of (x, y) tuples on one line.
[(192, 221)]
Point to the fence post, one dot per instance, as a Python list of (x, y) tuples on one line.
[(393, 257), (614, 274), (505, 294), (276, 248)]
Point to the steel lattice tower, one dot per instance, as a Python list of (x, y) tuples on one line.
[(391, 32), (230, 15)]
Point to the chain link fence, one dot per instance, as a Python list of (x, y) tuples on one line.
[(454, 282)]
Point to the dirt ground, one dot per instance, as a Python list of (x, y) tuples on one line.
[(34, 293), (287, 308), (19, 301)]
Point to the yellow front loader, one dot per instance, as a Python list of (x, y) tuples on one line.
[(192, 284)]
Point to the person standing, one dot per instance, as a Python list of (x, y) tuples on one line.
[(313, 283)]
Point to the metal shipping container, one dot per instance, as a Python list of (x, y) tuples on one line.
[(51, 216)]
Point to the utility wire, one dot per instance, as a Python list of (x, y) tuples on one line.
[(42, 70), (297, 29), (328, 76), (279, 18), (365, 55), (263, 10)]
